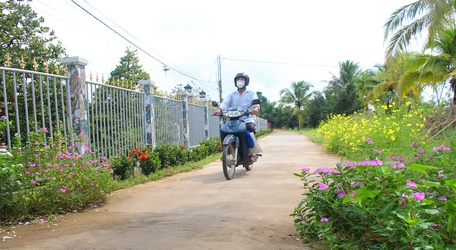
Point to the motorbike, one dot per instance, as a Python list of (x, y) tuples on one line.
[(234, 137)]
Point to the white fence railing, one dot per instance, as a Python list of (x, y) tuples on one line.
[(107, 119)]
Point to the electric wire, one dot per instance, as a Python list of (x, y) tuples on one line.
[(129, 41)]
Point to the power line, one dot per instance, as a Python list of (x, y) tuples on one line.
[(126, 39), (287, 63)]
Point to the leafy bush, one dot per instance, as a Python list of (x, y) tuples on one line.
[(376, 204), (390, 127), (399, 192), (122, 167), (41, 179)]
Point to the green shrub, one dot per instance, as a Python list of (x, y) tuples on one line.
[(375, 204), (41, 179), (122, 167)]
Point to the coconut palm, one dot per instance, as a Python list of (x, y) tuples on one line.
[(432, 69), (432, 16), (340, 93), (297, 95)]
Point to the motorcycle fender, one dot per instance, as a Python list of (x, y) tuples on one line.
[(230, 138)]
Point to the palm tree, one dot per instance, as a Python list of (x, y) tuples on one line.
[(348, 71), (340, 93), (298, 94), (432, 16), (365, 83)]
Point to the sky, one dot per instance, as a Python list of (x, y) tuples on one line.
[(274, 42)]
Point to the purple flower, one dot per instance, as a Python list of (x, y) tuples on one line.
[(334, 171), (443, 198), (414, 144), (63, 189), (441, 175), (324, 219), (377, 151), (32, 182), (42, 220), (31, 164), (397, 165), (43, 129), (323, 170), (305, 170), (441, 147), (419, 196), (411, 184), (3, 117), (369, 140), (357, 184), (36, 142), (341, 193), (323, 186), (421, 151), (353, 195)]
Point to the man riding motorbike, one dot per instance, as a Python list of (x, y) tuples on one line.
[(242, 98)]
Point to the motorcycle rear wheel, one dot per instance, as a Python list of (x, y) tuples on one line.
[(229, 165)]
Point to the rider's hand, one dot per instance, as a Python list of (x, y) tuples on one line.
[(254, 110), (217, 112)]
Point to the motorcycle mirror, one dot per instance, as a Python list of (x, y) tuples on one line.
[(256, 101), (214, 103)]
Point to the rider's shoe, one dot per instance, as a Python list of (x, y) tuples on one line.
[(253, 158)]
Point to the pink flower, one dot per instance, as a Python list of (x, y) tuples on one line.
[(305, 170), (42, 220), (322, 170), (36, 142), (369, 140), (441, 147), (324, 219), (63, 189), (341, 193), (32, 182), (441, 175), (397, 164), (31, 164), (414, 144), (323, 186), (411, 184), (443, 198), (419, 196)]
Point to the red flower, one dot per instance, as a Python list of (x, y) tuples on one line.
[(144, 157)]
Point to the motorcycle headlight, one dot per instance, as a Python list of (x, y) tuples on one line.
[(234, 113)]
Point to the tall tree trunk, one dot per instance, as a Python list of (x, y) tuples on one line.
[(453, 87)]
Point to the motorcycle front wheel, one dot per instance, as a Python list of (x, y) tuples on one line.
[(229, 165)]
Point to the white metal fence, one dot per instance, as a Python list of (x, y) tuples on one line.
[(109, 120)]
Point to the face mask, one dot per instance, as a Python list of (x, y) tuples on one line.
[(240, 84)]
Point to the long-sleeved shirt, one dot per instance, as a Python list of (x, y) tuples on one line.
[(234, 99)]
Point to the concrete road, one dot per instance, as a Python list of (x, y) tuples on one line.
[(194, 210)]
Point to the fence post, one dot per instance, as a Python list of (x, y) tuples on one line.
[(202, 98), (185, 94), (77, 102), (148, 112)]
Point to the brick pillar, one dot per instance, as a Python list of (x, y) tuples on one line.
[(77, 102), (148, 112)]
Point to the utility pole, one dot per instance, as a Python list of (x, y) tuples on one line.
[(219, 76)]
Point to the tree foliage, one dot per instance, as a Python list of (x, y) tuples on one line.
[(24, 35), (129, 69), (296, 95)]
